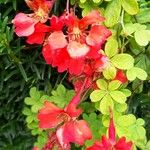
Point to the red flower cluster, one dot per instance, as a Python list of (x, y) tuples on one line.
[(68, 128), (76, 50), (74, 45), (111, 143)]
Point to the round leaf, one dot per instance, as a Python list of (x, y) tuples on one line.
[(109, 72), (113, 85), (136, 72), (105, 104), (102, 84), (111, 47), (126, 120), (130, 6), (118, 96), (145, 34), (123, 61), (97, 95), (112, 13)]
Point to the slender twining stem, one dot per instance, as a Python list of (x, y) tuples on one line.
[(67, 6)]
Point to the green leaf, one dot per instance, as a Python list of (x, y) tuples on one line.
[(113, 85), (111, 47), (123, 61), (96, 1), (105, 104), (141, 74), (97, 95), (147, 147), (102, 84), (112, 13), (26, 111), (61, 96), (34, 93), (136, 72), (140, 121), (95, 123), (30, 118), (109, 72), (126, 120), (131, 28), (29, 101), (143, 16), (145, 34), (130, 6), (118, 96), (35, 108), (82, 1), (120, 107), (126, 92)]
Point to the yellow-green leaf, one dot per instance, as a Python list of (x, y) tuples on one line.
[(102, 84), (118, 96), (97, 95), (130, 6), (111, 47), (123, 61), (105, 104), (112, 13), (113, 85)]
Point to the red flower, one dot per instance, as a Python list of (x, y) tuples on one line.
[(68, 128), (81, 43), (24, 25), (111, 143), (121, 76), (38, 36), (31, 25)]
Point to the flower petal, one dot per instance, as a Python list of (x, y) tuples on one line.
[(57, 40), (49, 116), (24, 25), (123, 145), (77, 50), (97, 35), (93, 17), (121, 76), (77, 132)]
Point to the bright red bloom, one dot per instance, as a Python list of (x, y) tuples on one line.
[(79, 45), (121, 76), (38, 36), (31, 25), (24, 25), (68, 128), (111, 143)]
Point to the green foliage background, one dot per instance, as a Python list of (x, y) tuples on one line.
[(22, 67)]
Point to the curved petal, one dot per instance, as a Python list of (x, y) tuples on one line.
[(24, 25), (77, 132), (57, 40), (93, 17), (48, 54), (77, 50), (49, 116), (97, 35), (123, 145)]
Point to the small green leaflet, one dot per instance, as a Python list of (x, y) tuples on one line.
[(123, 61), (136, 72), (111, 47), (112, 13), (130, 6)]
